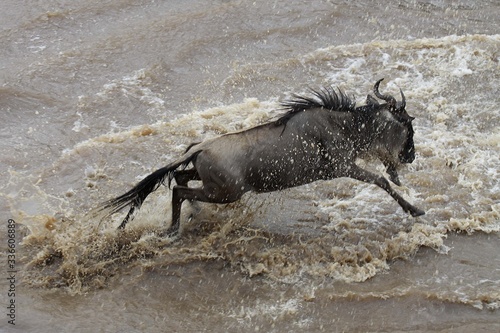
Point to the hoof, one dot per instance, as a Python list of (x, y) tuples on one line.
[(417, 212)]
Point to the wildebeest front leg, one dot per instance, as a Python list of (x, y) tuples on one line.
[(393, 174), (391, 170), (366, 176)]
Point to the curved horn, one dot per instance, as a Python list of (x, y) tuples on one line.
[(403, 99), (388, 98)]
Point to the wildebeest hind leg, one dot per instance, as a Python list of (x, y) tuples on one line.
[(182, 177), (366, 176), (179, 194)]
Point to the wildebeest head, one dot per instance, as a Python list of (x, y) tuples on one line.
[(406, 153)]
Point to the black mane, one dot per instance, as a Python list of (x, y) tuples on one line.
[(326, 98)]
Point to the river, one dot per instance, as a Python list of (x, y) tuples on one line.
[(95, 95)]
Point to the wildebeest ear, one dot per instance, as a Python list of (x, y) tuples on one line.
[(370, 100)]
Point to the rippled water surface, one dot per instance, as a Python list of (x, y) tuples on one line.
[(95, 95)]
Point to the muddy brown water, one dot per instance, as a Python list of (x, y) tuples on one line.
[(96, 95)]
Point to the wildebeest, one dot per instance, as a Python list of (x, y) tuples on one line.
[(319, 137)]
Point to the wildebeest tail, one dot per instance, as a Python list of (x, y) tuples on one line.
[(136, 196)]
